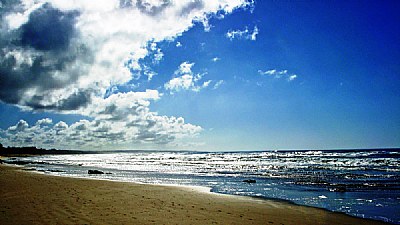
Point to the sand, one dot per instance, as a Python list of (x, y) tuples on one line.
[(32, 198)]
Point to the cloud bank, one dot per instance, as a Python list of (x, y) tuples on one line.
[(63, 56)]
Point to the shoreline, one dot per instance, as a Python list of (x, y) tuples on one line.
[(34, 198), (200, 189)]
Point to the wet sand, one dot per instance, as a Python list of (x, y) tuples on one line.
[(32, 198)]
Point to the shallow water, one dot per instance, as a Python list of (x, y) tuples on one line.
[(362, 183)]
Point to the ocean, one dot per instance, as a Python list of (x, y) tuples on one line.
[(361, 183)]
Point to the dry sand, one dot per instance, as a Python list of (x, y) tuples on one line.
[(32, 198)]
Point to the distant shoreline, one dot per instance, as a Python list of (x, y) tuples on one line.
[(26, 151)]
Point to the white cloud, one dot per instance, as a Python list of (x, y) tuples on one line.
[(243, 34), (103, 41), (206, 24), (178, 44), (44, 122), (185, 68), (185, 80), (279, 74), (254, 34), (158, 54), (122, 119), (150, 74), (274, 72), (138, 68), (218, 84), (292, 77), (215, 59), (206, 83), (20, 126)]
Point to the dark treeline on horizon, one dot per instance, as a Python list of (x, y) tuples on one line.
[(34, 151), (8, 151)]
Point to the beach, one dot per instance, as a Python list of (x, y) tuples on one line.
[(33, 198)]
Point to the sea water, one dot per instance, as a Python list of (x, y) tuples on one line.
[(362, 183)]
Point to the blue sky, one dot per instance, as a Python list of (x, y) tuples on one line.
[(248, 76)]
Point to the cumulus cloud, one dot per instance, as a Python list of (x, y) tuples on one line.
[(44, 122), (39, 59), (53, 52), (64, 56), (185, 79), (121, 119), (20, 126), (278, 74), (243, 34)]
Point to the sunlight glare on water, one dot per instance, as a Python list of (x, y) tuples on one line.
[(360, 183)]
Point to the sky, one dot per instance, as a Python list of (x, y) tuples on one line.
[(199, 74)]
